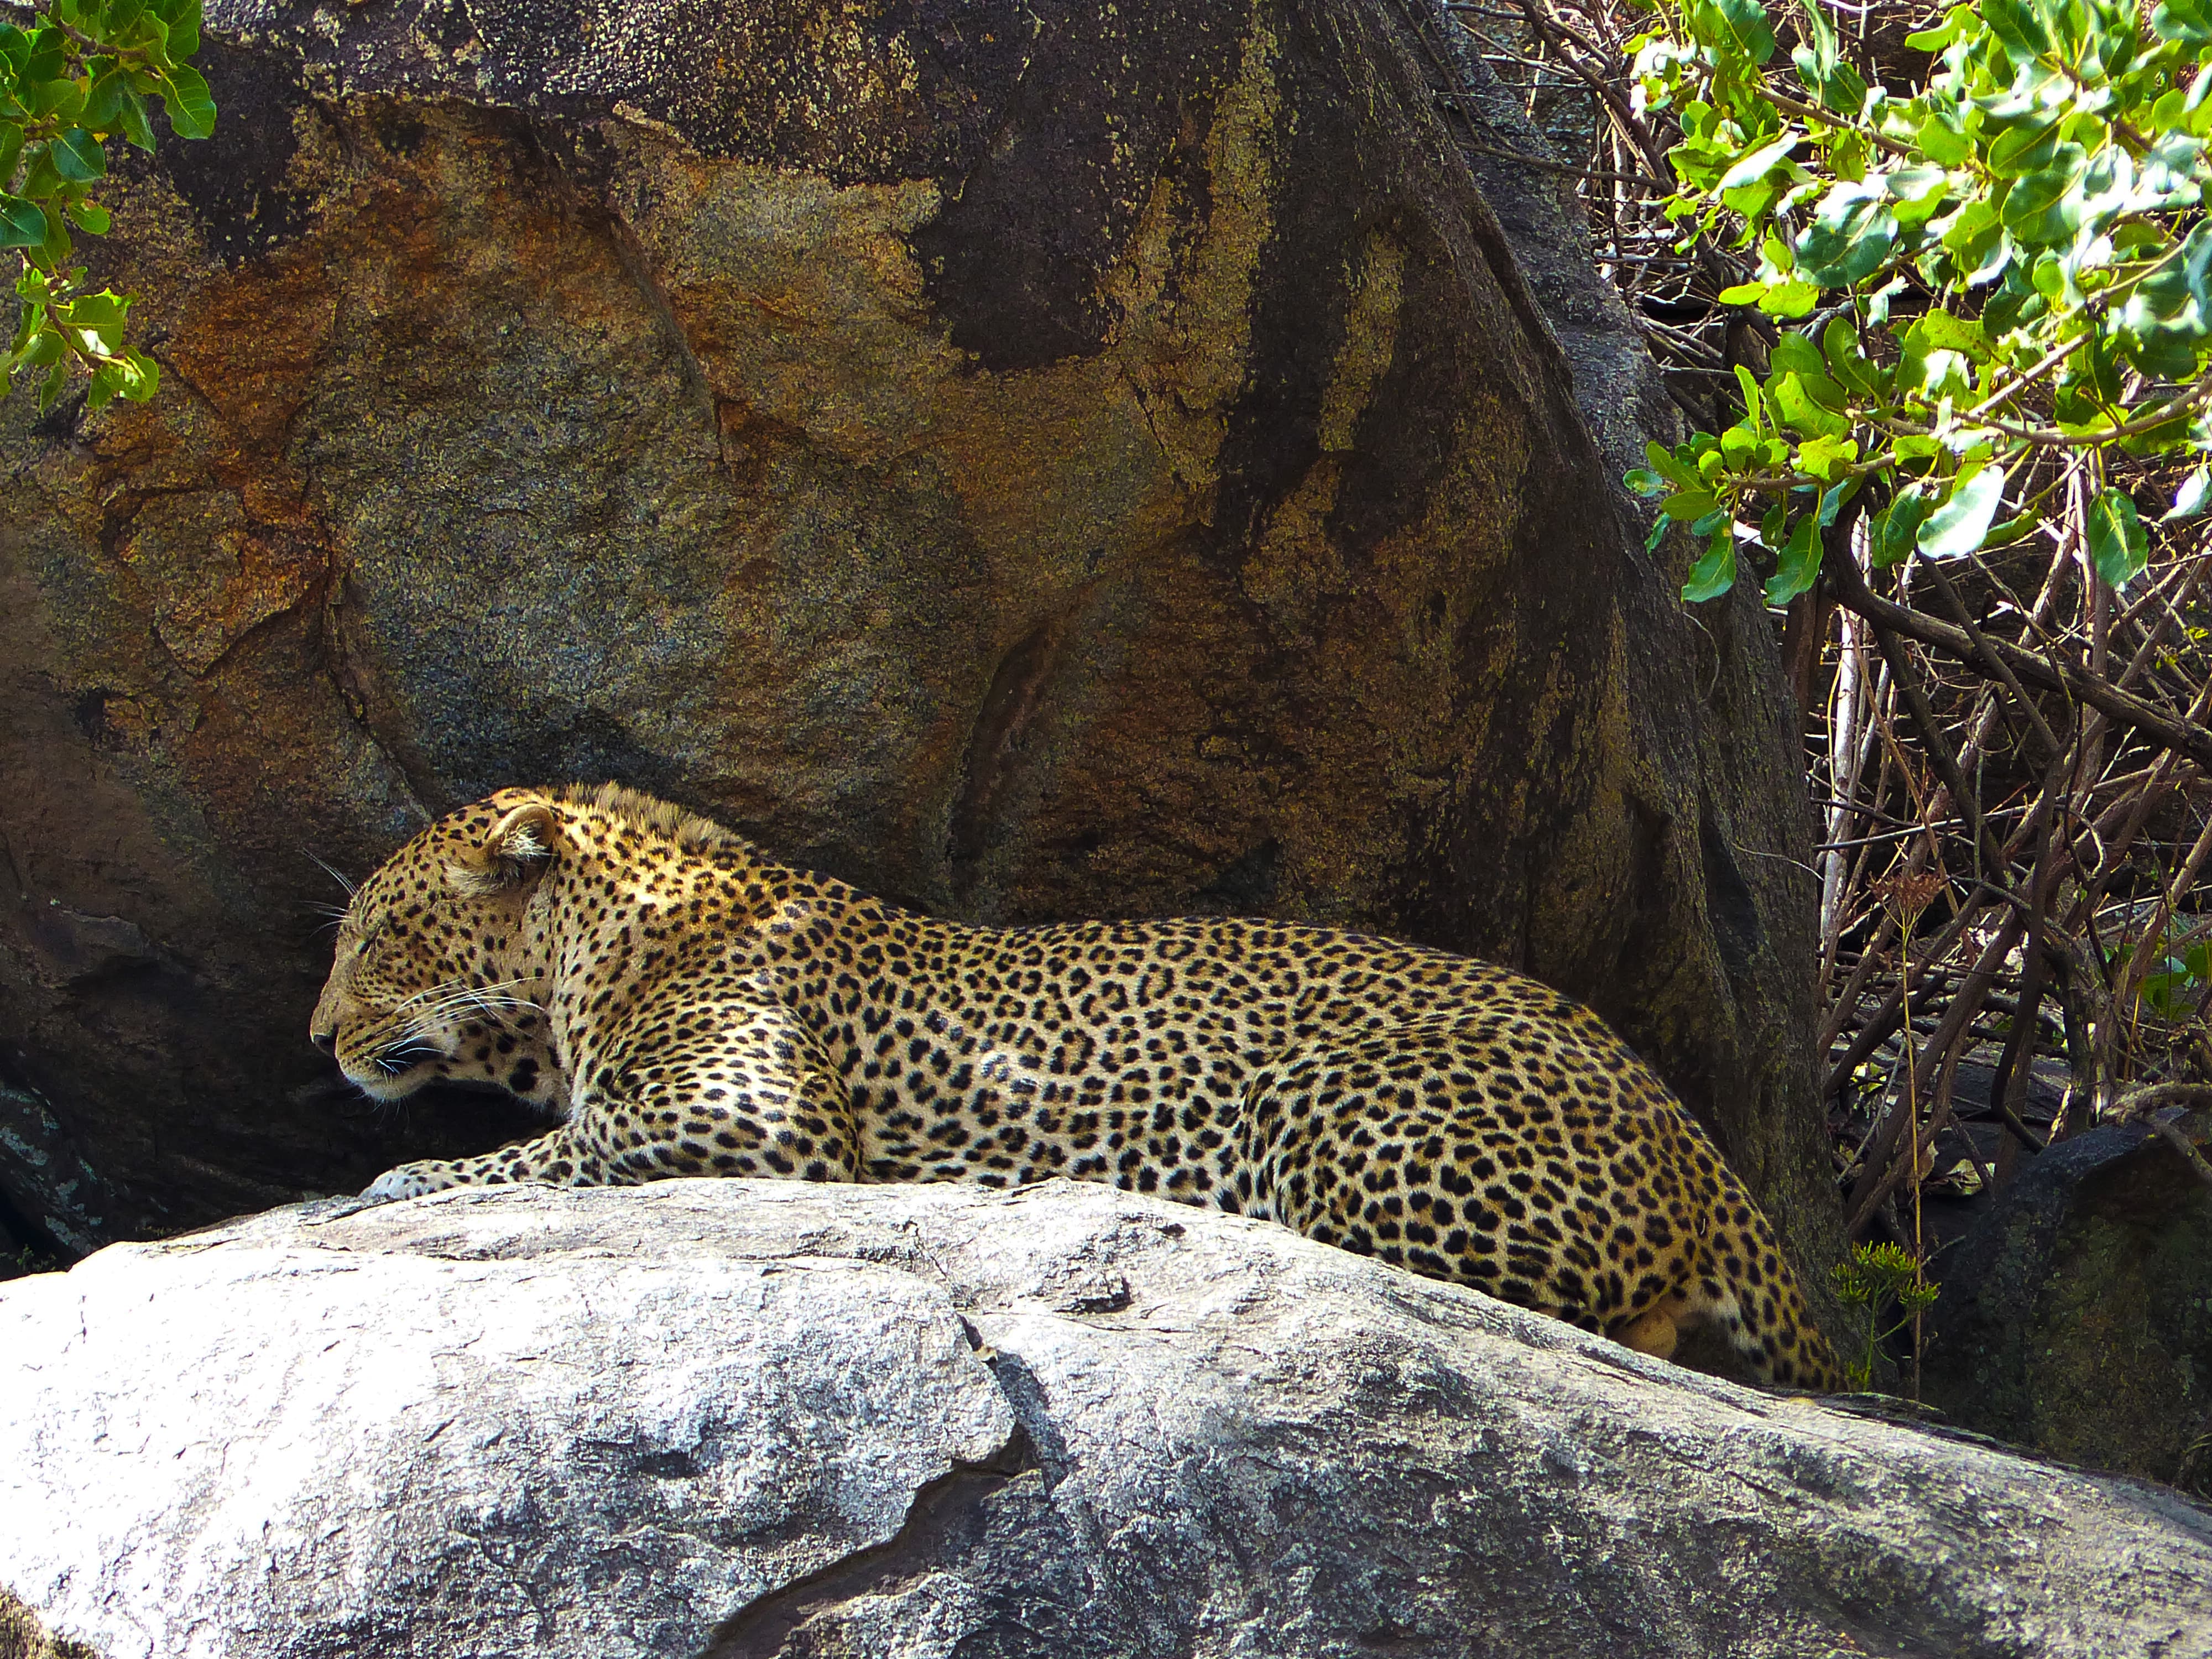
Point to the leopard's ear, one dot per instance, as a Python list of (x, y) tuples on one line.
[(516, 850)]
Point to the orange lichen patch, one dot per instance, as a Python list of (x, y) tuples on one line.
[(248, 343), (805, 309), (211, 576), (803, 305), (798, 298), (190, 505)]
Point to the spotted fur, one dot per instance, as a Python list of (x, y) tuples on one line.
[(686, 1006)]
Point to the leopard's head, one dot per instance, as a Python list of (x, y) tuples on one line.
[(434, 978)]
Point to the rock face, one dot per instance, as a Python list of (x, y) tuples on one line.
[(2076, 1315), (1032, 460), (747, 1419)]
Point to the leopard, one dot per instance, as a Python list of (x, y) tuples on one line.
[(677, 1003)]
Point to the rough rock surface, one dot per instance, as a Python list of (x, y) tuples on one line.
[(751, 1419), (2076, 1315), (1032, 460)]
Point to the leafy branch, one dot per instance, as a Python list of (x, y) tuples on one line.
[(81, 74), (2011, 258)]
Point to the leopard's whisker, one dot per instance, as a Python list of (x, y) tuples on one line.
[(352, 888)]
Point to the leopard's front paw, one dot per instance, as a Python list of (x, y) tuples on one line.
[(408, 1180)]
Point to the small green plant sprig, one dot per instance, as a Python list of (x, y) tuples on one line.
[(2009, 261), (1873, 1280), (81, 74)]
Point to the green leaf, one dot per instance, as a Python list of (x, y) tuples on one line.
[(48, 51), (1643, 482), (1940, 328), (11, 147), (1800, 566), (40, 180), (78, 157), (1824, 458), (2117, 546), (1840, 345), (60, 99), (103, 105), (133, 121), (89, 216), (1976, 240), (1748, 20), (1844, 91), (1751, 202), (2189, 499), (1743, 294), (2185, 20), (1943, 143), (2044, 205), (1818, 57), (107, 381), (2025, 147), (145, 377), (96, 321), (21, 223), (1789, 300), (1756, 165), (1955, 21), (184, 34), (191, 110), (2017, 29), (1749, 385), (1850, 238), (53, 253), (1956, 528), (1892, 531), (1714, 574), (1690, 505), (1796, 355), (1798, 412), (1675, 472), (1916, 184), (45, 349), (1933, 371)]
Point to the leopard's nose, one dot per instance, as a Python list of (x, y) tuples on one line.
[(326, 1041)]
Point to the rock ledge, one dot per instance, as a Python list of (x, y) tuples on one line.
[(743, 1418)]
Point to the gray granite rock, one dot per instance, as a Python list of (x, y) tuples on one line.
[(749, 1419), (2076, 1314)]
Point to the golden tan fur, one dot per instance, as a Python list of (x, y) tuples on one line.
[(687, 1006)]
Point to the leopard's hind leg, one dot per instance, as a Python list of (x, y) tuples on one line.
[(1743, 1289)]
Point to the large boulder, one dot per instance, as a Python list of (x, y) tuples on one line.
[(754, 1418), (2076, 1314), (1033, 459)]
